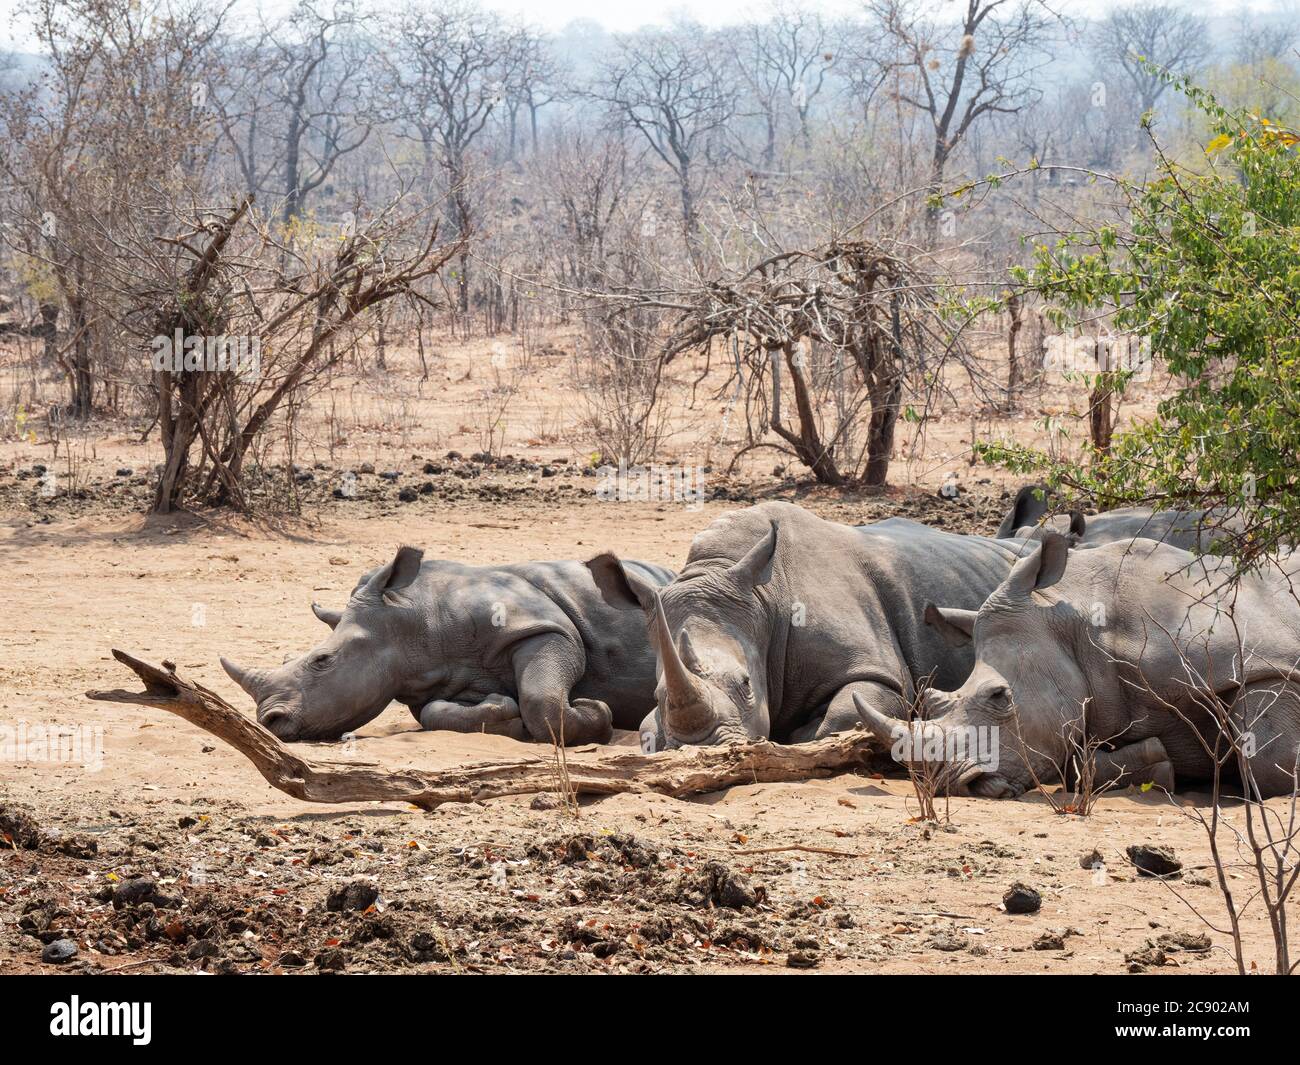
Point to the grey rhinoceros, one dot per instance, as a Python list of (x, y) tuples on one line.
[(779, 618), (1192, 529), (533, 651), (1144, 636)]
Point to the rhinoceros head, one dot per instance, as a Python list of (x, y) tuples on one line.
[(1006, 725), (348, 679), (710, 633)]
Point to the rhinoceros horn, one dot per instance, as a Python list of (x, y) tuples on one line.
[(252, 681), (330, 617), (885, 729), (687, 710)]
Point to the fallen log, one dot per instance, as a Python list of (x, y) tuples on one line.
[(686, 771)]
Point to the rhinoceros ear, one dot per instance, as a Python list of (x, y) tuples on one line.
[(955, 625), (330, 617), (1029, 507), (621, 583), (756, 567), (1043, 568), (399, 573), (1078, 524)]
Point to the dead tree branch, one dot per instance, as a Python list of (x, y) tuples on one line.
[(676, 773)]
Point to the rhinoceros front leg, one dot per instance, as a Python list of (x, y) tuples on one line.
[(841, 714), (546, 669), (496, 714), (1145, 762)]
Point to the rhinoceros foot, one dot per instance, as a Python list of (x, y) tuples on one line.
[(497, 714)]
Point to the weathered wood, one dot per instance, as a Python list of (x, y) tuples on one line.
[(687, 771)]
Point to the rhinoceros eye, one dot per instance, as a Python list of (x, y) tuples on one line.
[(998, 695), (321, 661)]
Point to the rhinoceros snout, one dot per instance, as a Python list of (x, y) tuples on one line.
[(281, 722)]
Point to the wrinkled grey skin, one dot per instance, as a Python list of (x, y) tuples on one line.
[(1112, 628), (1191, 530), (528, 651), (779, 618)]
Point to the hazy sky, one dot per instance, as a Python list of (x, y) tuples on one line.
[(552, 14)]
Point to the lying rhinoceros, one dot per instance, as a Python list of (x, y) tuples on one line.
[(532, 651), (780, 618), (1139, 633), (1191, 530)]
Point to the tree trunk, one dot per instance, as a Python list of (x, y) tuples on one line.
[(807, 442), (1016, 310)]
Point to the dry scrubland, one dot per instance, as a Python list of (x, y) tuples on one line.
[(833, 875)]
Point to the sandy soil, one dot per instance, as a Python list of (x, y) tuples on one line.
[(240, 878)]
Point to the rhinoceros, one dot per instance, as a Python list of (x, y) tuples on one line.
[(1192, 529), (533, 651), (1141, 634), (779, 618)]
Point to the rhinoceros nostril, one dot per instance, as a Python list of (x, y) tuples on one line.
[(279, 721)]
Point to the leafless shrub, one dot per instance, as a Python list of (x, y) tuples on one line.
[(1078, 768), (1262, 845)]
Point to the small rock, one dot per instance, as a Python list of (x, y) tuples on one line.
[(1153, 860), (202, 948), (332, 960), (60, 951), (1192, 942), (1049, 941), (366, 467), (354, 895), (1021, 898), (291, 959), (408, 495), (1091, 859), (949, 941), (125, 471), (1150, 955), (732, 890), (134, 892), (801, 959), (545, 801)]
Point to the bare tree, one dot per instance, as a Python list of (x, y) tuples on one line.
[(1167, 36), (112, 130), (316, 78), (850, 323), (447, 74), (674, 88), (220, 284), (956, 74), (785, 63)]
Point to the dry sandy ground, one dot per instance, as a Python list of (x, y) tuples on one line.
[(899, 896), (240, 878)]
